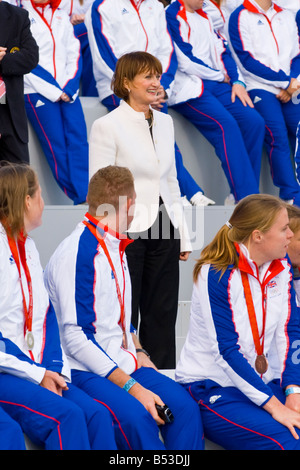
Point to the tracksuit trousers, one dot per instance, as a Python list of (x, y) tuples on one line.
[(281, 121), (234, 422), (11, 434), (61, 130), (235, 131), (134, 426), (71, 422)]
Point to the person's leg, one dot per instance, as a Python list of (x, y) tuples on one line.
[(159, 301), (98, 418), (234, 422), (291, 113), (111, 102), (77, 150), (297, 153), (88, 83), (220, 128), (277, 143), (46, 119), (11, 434), (187, 184), (250, 122), (135, 253), (49, 420), (186, 431), (135, 429), (12, 148)]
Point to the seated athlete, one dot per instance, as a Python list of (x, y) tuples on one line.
[(89, 284)]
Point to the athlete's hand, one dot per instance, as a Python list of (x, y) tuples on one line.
[(54, 382), (284, 415), (293, 402), (283, 96), (144, 361), (239, 91), (293, 86), (148, 399), (77, 19), (160, 99)]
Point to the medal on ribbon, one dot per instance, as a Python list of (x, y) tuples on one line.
[(18, 253), (261, 362), (120, 295)]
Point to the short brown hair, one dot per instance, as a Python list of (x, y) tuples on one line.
[(16, 182), (128, 66), (107, 185)]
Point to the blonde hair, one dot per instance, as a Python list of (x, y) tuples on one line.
[(128, 66), (16, 182), (254, 212), (107, 185), (294, 217)]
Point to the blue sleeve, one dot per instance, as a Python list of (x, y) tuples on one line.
[(45, 75), (168, 76), (72, 86), (245, 57), (229, 62), (52, 355), (104, 47), (291, 373), (10, 348)]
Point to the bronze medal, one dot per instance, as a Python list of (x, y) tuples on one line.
[(261, 364)]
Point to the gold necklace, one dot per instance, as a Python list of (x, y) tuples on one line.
[(150, 119)]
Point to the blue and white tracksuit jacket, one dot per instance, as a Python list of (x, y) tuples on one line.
[(116, 27), (268, 70), (270, 67), (219, 14), (59, 65), (14, 356), (82, 287), (51, 421), (202, 54), (217, 361), (220, 348), (60, 126)]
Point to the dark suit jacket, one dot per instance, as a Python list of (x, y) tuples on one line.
[(21, 57)]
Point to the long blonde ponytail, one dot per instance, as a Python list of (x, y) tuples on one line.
[(254, 212)]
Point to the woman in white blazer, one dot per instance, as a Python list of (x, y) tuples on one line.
[(138, 137)]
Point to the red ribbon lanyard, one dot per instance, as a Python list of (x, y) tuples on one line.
[(252, 316), (16, 249), (97, 234)]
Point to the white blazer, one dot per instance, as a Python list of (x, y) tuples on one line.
[(122, 137)]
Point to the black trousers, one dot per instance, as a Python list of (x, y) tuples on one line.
[(12, 149), (153, 260)]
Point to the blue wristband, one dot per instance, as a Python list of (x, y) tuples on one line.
[(290, 390), (239, 82), (130, 383)]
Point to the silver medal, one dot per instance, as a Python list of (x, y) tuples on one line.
[(29, 340)]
